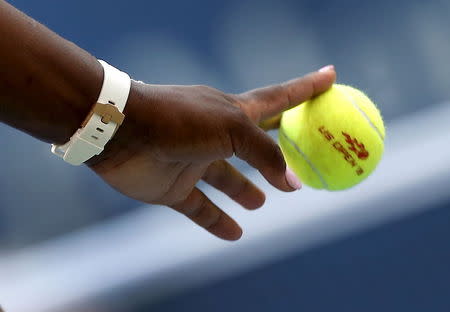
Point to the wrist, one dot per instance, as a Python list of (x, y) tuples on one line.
[(101, 124), (120, 145)]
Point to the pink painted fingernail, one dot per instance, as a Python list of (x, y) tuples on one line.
[(292, 179), (326, 68)]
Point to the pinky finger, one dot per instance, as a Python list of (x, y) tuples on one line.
[(199, 208)]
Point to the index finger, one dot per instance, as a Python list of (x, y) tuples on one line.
[(263, 103)]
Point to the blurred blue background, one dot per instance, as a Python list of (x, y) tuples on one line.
[(397, 51)]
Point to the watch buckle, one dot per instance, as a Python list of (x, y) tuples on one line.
[(108, 113)]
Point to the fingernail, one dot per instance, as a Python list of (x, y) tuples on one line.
[(292, 179), (326, 68)]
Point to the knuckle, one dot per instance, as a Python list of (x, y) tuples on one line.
[(194, 210), (201, 87), (241, 145), (277, 91), (212, 220), (240, 190), (179, 198), (202, 212), (309, 83), (239, 118), (236, 122), (206, 89), (231, 98), (235, 110)]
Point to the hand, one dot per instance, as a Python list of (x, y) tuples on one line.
[(173, 136)]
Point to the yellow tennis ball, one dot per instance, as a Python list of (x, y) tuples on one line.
[(333, 141)]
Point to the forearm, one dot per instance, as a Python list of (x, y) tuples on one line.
[(47, 84)]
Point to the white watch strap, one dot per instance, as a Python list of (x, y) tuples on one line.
[(101, 125)]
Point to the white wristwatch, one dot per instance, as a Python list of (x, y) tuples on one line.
[(103, 121)]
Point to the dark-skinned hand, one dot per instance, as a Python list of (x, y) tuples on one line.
[(174, 136)]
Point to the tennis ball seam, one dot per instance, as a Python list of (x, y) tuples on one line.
[(355, 105), (308, 161)]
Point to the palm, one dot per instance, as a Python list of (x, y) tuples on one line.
[(146, 178)]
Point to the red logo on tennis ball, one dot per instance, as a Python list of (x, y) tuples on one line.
[(355, 146), (358, 148)]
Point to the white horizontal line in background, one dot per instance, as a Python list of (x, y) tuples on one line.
[(162, 248)]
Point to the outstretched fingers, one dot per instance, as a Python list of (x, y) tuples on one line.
[(265, 105), (253, 145), (267, 102), (200, 209), (224, 177)]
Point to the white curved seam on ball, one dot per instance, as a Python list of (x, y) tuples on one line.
[(352, 100), (321, 178)]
